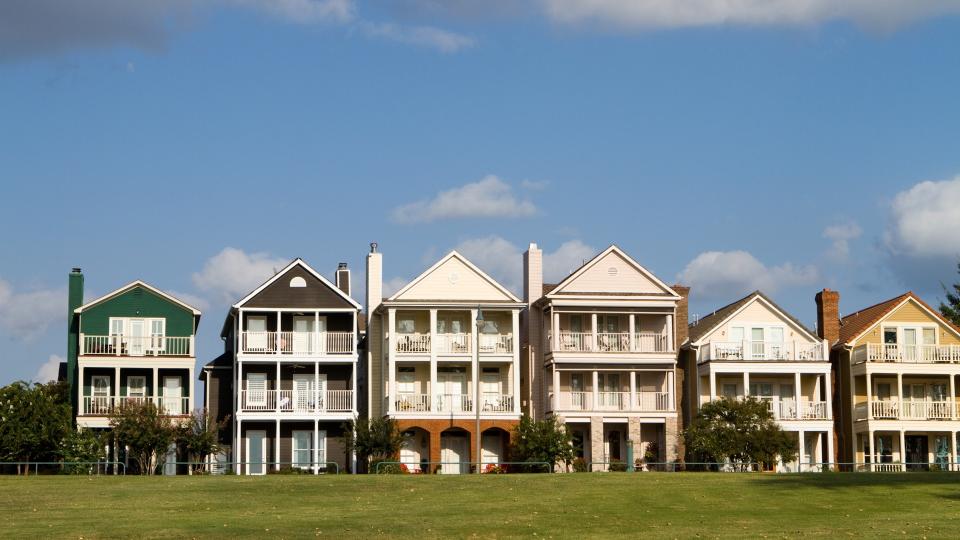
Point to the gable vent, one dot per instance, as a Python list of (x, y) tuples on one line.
[(612, 271), (298, 282)]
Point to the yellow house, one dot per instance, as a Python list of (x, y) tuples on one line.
[(896, 365)]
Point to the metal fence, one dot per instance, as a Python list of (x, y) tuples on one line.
[(416, 467), (66, 467)]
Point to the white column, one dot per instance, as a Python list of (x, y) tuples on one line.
[(870, 448), (239, 388), (276, 447), (903, 449), (829, 436), (315, 344), (633, 387), (193, 389), (238, 456), (670, 341), (276, 335), (803, 450), (631, 326), (431, 390), (353, 387), (953, 398), (953, 451), (829, 397), (555, 331), (116, 384), (713, 383), (316, 446), (276, 393), (900, 413), (596, 391), (156, 384), (515, 370), (870, 401), (474, 366), (82, 405), (556, 389), (593, 331), (316, 387), (746, 383), (797, 394), (391, 359), (671, 389)]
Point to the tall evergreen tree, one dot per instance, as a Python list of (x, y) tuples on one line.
[(951, 308)]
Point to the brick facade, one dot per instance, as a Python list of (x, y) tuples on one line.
[(436, 426)]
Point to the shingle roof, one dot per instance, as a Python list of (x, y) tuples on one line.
[(709, 323), (855, 324)]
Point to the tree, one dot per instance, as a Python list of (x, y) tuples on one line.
[(542, 441), (951, 308), (33, 421), (376, 438), (739, 432), (199, 437), (145, 431), (80, 449)]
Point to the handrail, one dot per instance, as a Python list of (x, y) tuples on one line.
[(379, 464)]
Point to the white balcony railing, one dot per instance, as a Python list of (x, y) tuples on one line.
[(654, 401), (910, 354), (646, 401), (610, 342), (576, 401), (124, 345), (453, 403), (297, 343), (813, 410), (614, 401), (496, 343), (412, 403), (296, 401), (893, 409), (454, 343), (105, 405), (763, 350), (412, 343)]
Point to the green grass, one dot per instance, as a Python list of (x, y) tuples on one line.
[(679, 505)]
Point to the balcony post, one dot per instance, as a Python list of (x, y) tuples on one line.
[(192, 399), (353, 387), (316, 446), (669, 345), (116, 384), (431, 388), (671, 387), (474, 343), (953, 451), (556, 389), (953, 398), (156, 394), (276, 337), (746, 384), (903, 450), (276, 394), (391, 360), (713, 384), (515, 368), (829, 395), (901, 413), (796, 396), (870, 399), (276, 447), (632, 326), (240, 391), (870, 448), (593, 331), (555, 334), (316, 386), (596, 389), (314, 346), (633, 388), (803, 450), (82, 406)]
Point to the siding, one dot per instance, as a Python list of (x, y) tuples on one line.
[(910, 313), (280, 294), (628, 279), (454, 281), (137, 302)]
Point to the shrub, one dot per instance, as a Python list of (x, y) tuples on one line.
[(495, 468), (541, 441), (580, 465), (617, 466)]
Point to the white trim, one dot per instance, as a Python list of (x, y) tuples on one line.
[(263, 452), (132, 285), (783, 316), (612, 249), (470, 265), (941, 320), (306, 267)]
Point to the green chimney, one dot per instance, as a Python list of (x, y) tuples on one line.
[(74, 300)]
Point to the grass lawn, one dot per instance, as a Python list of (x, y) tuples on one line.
[(678, 505)]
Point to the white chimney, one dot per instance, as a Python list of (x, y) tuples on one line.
[(374, 281), (531, 328)]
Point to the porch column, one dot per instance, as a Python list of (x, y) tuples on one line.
[(829, 394), (829, 460), (633, 388), (803, 449), (953, 398), (870, 448), (556, 330), (797, 394), (555, 404), (155, 397), (392, 360), (239, 388), (276, 387), (316, 386), (631, 325), (315, 336), (903, 450), (353, 387), (870, 398), (276, 447), (746, 383), (192, 400), (670, 345), (316, 446), (953, 451), (431, 389), (238, 449), (596, 390), (474, 390), (593, 331), (515, 368), (901, 413), (671, 390), (713, 383), (116, 385), (276, 336), (82, 405)]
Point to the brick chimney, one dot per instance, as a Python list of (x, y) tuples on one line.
[(343, 278), (828, 315), (683, 315)]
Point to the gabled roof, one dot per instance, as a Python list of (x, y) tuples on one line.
[(558, 289), (298, 262), (455, 255), (715, 320), (132, 285), (855, 325)]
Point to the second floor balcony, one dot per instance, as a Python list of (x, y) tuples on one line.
[(297, 343), (610, 342), (906, 353), (105, 405), (616, 333), (908, 409), (453, 343), (297, 401), (136, 345), (764, 350)]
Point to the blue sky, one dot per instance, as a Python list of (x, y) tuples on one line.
[(197, 145)]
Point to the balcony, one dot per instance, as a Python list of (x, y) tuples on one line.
[(297, 344), (452, 344), (763, 350), (908, 354), (297, 401), (791, 409), (891, 409), (105, 405), (616, 401), (125, 345), (490, 402), (606, 342)]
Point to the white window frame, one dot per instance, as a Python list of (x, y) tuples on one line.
[(157, 342), (299, 464), (143, 387)]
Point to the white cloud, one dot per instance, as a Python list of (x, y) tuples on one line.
[(504, 261), (28, 315), (489, 197), (49, 371), (233, 273), (841, 235), (642, 14), (304, 11), (427, 36), (725, 274), (924, 220)]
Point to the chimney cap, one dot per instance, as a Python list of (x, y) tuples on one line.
[(75, 270), (373, 247), (341, 266)]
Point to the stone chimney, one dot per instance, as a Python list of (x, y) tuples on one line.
[(374, 281), (342, 278), (74, 300), (683, 314), (531, 330), (828, 315)]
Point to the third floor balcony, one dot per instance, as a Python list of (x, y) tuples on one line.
[(610, 333), (296, 334)]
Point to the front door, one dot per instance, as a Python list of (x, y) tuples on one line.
[(491, 448), (455, 454), (917, 452), (304, 391), (172, 394), (303, 334), (910, 344), (256, 452)]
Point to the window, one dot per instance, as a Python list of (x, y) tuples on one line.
[(609, 324), (762, 390), (883, 391), (406, 377), (136, 386), (576, 323), (776, 334), (302, 449), (890, 336), (929, 336), (736, 334), (884, 448), (405, 326), (157, 332), (729, 390), (298, 282), (490, 327)]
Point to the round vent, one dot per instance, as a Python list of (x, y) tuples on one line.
[(612, 271), (298, 282), (453, 278)]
